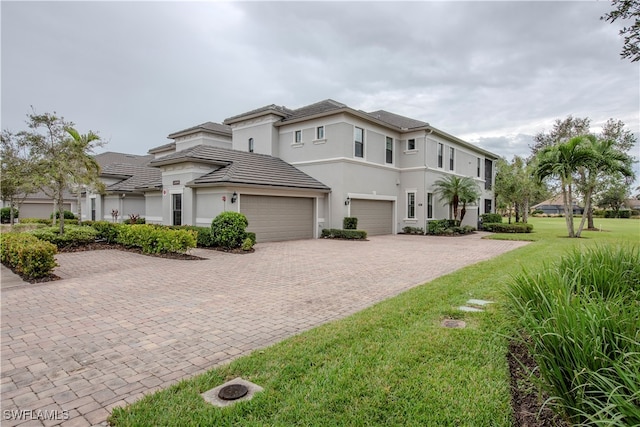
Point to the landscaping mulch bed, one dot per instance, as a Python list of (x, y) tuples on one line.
[(526, 398), (104, 245)]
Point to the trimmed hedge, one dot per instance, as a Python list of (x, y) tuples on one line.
[(66, 214), (156, 240), (350, 223), (229, 229), (36, 221), (335, 233), (5, 214), (106, 230), (73, 235), (437, 227), (29, 256), (518, 227), (492, 218)]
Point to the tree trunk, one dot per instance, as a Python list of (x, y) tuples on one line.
[(79, 205), (568, 208), (61, 210), (525, 211), (517, 207), (590, 225), (11, 216), (587, 207)]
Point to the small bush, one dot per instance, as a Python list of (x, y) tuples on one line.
[(251, 235), (73, 236), (204, 237), (27, 255), (229, 229), (413, 230), (66, 214), (134, 219), (5, 214), (106, 230), (335, 233), (350, 223), (35, 221), (156, 240), (247, 244), (624, 213), (493, 218), (437, 227), (518, 227), (535, 212)]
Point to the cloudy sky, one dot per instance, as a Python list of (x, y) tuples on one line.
[(493, 73)]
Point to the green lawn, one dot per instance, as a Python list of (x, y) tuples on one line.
[(391, 364)]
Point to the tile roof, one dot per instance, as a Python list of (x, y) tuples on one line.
[(316, 108), (207, 126), (397, 120), (282, 110), (161, 148), (109, 157), (138, 177), (240, 167)]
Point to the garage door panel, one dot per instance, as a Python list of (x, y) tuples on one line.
[(374, 216), (278, 218)]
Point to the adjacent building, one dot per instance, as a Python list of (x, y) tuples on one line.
[(293, 172)]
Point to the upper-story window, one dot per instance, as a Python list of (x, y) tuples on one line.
[(451, 158), (298, 136), (411, 144), (359, 142), (251, 145), (389, 150), (320, 132), (478, 164), (440, 154)]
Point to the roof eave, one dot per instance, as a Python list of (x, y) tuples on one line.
[(249, 185), (238, 119), (165, 162)]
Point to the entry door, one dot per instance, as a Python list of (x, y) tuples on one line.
[(176, 207)]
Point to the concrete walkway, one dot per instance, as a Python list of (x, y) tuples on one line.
[(121, 325)]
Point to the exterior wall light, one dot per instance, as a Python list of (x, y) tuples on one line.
[(234, 197), (348, 201)]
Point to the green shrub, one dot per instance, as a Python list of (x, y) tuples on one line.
[(5, 214), (517, 227), (154, 240), (106, 230), (66, 214), (22, 227), (204, 237), (350, 223), (134, 219), (436, 227), (73, 235), (492, 218), (251, 235), (30, 257), (229, 229), (36, 221), (535, 212), (579, 318), (247, 244), (413, 230), (624, 213), (335, 233)]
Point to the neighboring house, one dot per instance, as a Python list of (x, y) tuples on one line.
[(633, 204), (39, 205), (293, 172), (555, 206)]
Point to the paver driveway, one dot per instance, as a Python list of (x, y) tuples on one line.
[(121, 325)]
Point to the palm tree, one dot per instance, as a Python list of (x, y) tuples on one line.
[(562, 161), (606, 160), (454, 190), (86, 168)]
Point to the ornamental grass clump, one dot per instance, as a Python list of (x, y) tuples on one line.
[(580, 319)]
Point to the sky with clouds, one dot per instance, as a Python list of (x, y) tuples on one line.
[(493, 73)]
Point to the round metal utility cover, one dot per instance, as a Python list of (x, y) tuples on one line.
[(233, 392)]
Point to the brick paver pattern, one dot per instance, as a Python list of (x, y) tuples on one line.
[(121, 325)]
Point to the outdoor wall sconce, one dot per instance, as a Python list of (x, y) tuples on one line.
[(234, 197), (348, 201)]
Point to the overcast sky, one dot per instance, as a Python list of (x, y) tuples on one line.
[(493, 73)]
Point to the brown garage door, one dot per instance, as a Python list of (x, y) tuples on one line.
[(278, 218), (374, 216)]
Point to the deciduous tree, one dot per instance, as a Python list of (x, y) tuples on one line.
[(627, 10)]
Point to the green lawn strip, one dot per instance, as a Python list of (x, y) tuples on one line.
[(391, 364)]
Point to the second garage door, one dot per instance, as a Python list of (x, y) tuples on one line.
[(278, 218), (374, 216)]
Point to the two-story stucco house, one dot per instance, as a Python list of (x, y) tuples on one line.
[(293, 172)]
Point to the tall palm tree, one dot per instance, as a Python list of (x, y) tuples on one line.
[(454, 190), (562, 161), (606, 160)]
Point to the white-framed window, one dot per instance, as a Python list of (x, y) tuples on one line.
[(429, 205), (411, 204), (359, 142), (440, 154), (251, 145), (478, 164), (176, 209), (452, 153), (411, 144), (297, 136), (389, 150), (320, 132)]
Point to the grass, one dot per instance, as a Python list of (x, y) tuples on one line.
[(391, 364)]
